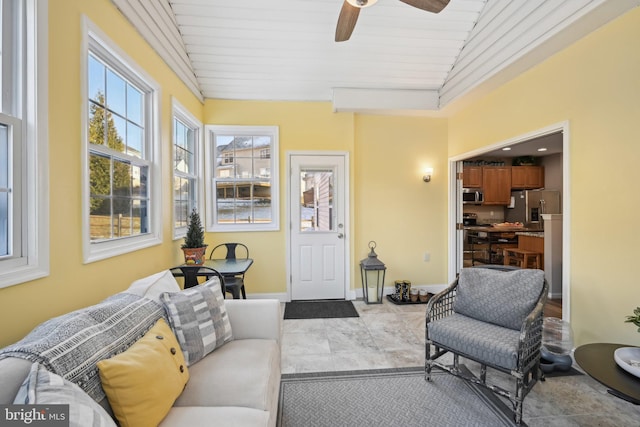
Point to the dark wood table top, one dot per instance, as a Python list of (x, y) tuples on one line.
[(597, 361)]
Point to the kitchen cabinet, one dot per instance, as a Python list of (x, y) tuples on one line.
[(496, 185), (472, 177), (527, 177)]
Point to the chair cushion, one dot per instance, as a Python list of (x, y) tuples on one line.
[(481, 341), (504, 298), (199, 319)]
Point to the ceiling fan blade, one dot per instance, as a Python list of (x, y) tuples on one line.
[(434, 6), (346, 21)]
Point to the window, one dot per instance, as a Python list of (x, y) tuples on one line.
[(24, 200), (243, 177), (121, 192), (186, 168)]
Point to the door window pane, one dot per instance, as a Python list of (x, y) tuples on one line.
[(316, 198)]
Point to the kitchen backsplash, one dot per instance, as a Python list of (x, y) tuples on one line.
[(486, 214)]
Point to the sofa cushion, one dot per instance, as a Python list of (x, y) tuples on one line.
[(42, 387), (199, 319), (70, 345), (479, 340), (224, 416), (13, 371), (153, 286), (504, 298), (242, 373), (143, 382)]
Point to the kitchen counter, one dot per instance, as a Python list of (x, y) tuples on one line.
[(530, 233), (491, 229)]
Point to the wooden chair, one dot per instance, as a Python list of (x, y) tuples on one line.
[(522, 258), (233, 283)]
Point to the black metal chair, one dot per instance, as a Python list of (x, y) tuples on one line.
[(234, 283), (190, 273), (492, 316)]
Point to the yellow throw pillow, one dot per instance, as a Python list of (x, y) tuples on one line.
[(143, 382)]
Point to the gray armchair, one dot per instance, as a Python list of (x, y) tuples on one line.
[(492, 316)]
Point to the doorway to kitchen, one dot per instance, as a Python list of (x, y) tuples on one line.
[(318, 225), (471, 245)]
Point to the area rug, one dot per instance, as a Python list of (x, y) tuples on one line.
[(325, 309), (386, 398)]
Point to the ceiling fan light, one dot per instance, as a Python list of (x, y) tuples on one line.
[(361, 3)]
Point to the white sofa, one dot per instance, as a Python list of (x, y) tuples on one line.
[(235, 385)]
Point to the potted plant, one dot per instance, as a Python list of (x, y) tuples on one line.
[(635, 319), (194, 246)]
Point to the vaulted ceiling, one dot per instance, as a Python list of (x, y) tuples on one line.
[(399, 58)]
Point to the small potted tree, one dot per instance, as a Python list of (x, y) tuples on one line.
[(193, 246)]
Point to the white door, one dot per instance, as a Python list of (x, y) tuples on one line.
[(317, 202)]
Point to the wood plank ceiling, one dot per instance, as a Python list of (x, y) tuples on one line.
[(398, 58)]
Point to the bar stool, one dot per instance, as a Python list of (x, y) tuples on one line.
[(522, 258)]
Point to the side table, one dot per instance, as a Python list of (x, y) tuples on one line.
[(597, 361)]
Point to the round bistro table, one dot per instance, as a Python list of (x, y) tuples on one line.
[(597, 361)]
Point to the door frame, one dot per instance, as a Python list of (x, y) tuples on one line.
[(455, 202), (349, 295)]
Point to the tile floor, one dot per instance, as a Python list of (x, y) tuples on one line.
[(392, 336)]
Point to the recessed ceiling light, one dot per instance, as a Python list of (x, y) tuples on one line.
[(506, 149), (542, 149)]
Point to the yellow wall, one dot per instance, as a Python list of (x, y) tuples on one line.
[(71, 283), (405, 216), (593, 84), (389, 201)]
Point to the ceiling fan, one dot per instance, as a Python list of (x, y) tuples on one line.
[(351, 9)]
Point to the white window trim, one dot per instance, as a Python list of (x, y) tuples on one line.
[(96, 40), (210, 159), (180, 112), (34, 264)]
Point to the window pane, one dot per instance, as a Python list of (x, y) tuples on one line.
[(4, 157), (139, 218), (139, 181), (182, 191), (4, 223), (121, 178), (96, 124), (117, 132), (99, 175), (134, 105), (116, 93), (122, 221), (100, 218), (96, 80), (134, 140)]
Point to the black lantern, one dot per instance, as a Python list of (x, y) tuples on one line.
[(372, 271)]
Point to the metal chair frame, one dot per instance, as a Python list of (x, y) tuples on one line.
[(234, 283)]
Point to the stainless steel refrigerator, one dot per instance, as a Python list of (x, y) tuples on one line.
[(527, 206)]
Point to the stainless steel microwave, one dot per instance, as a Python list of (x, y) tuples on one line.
[(472, 196)]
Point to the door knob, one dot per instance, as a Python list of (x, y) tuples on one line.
[(340, 235)]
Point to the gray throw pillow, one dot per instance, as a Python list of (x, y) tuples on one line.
[(199, 319), (42, 387), (504, 298)]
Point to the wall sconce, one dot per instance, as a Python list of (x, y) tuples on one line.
[(427, 174)]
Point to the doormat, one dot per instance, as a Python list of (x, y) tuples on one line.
[(324, 309)]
